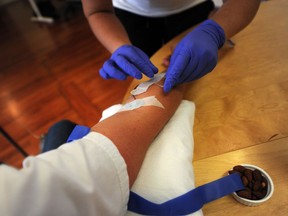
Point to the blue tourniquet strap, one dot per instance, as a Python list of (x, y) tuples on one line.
[(78, 132), (189, 202)]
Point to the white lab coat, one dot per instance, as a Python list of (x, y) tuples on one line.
[(86, 177)]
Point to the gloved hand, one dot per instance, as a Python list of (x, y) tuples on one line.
[(195, 55), (128, 60)]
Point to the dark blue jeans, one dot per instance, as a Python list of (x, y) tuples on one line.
[(57, 135)]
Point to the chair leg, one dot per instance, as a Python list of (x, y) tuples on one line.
[(39, 17), (12, 141)]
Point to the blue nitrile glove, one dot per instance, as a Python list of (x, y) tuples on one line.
[(128, 60), (195, 55)]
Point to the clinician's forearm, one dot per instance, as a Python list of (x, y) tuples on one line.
[(108, 30), (104, 24), (235, 15)]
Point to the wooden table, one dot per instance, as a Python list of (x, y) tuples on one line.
[(242, 109)]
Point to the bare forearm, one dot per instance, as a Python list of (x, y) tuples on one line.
[(235, 15), (104, 24), (108, 30), (133, 131)]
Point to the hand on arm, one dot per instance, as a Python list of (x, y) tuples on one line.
[(126, 60), (197, 53), (133, 131)]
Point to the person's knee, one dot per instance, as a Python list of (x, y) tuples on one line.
[(64, 124)]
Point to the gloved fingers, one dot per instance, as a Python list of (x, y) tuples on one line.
[(201, 63), (127, 67), (103, 74), (179, 62), (148, 62), (169, 84), (142, 62), (189, 75), (110, 70), (208, 68), (191, 70), (136, 57), (207, 64)]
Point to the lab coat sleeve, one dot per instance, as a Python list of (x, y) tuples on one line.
[(85, 177)]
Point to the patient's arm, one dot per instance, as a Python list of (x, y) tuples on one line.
[(133, 131)]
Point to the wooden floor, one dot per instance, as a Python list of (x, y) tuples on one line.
[(48, 73)]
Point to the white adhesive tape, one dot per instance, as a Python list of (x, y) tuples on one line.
[(148, 101), (141, 88)]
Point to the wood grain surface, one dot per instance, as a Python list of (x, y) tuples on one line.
[(242, 110), (244, 100), (271, 156), (48, 73)]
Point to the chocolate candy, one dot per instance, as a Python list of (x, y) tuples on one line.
[(255, 183)]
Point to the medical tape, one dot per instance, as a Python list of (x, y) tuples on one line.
[(189, 202), (141, 88), (147, 101)]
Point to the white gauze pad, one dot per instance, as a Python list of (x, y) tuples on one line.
[(147, 101), (141, 88)]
